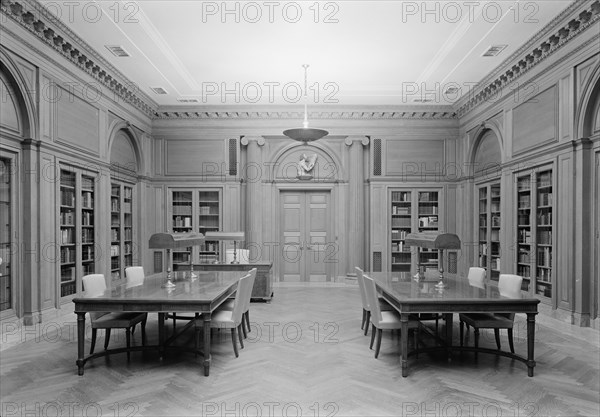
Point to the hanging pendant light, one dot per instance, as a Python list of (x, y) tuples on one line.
[(305, 134)]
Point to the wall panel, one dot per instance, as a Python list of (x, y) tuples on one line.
[(78, 122), (414, 157), (535, 121), (196, 157)]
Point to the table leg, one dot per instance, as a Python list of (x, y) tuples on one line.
[(530, 342), (206, 317), (404, 344), (448, 338), (161, 336), (80, 342)]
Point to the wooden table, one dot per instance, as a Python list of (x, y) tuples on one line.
[(410, 297), (200, 296)]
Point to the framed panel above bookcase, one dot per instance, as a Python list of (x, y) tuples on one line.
[(76, 228), (199, 211)]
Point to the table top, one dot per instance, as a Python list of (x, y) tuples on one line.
[(208, 287), (457, 294)]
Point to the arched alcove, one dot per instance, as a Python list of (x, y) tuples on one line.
[(326, 168), (124, 156), (13, 113), (487, 153)]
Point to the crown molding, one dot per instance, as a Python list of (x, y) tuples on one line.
[(553, 37), (320, 113), (36, 20)]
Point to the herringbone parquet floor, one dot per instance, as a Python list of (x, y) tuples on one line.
[(305, 356)]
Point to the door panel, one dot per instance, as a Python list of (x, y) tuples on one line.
[(305, 231)]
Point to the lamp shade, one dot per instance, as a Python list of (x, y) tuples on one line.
[(305, 134), (175, 240), (224, 236)]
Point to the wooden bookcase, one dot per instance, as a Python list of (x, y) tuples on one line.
[(412, 210), (77, 228), (196, 210), (534, 190), (6, 287), (488, 228), (121, 229)]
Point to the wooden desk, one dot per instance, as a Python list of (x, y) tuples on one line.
[(410, 297), (263, 284), (201, 296)]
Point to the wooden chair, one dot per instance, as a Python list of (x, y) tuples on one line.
[(135, 276), (230, 303), (94, 286), (232, 319), (510, 287), (384, 320), (366, 316)]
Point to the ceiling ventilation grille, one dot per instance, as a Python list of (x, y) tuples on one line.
[(159, 90), (494, 50), (117, 50), (187, 100)]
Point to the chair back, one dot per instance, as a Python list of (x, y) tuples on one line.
[(476, 277), (361, 288), (243, 291), (252, 274), (241, 255), (94, 285), (134, 275), (371, 292), (510, 285)]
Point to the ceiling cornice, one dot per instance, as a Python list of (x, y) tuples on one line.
[(366, 114), (541, 46), (35, 19)]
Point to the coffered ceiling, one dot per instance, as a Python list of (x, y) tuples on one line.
[(359, 52)]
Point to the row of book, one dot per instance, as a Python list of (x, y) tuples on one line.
[(428, 209), (544, 257), (428, 221), (182, 221), (87, 199), (398, 234), (544, 199), (182, 210), (400, 196), (67, 198), (114, 250), (544, 237), (398, 247), (400, 210)]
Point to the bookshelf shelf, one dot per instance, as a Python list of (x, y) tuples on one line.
[(536, 268), (411, 210), (489, 224), (76, 228), (196, 210), (122, 231)]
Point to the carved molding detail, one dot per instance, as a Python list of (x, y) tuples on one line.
[(96, 66), (524, 61), (355, 115)]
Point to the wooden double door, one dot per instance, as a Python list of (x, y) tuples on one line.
[(308, 253)]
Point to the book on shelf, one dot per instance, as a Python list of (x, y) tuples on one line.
[(114, 250), (67, 198), (544, 257), (67, 218), (87, 199), (67, 236), (544, 237)]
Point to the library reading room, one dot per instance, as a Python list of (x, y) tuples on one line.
[(293, 208)]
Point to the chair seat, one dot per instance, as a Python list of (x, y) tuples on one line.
[(486, 320), (390, 320), (118, 320), (223, 319)]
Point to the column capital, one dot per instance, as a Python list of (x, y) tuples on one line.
[(364, 140), (245, 141)]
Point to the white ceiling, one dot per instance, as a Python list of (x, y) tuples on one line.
[(360, 52)]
